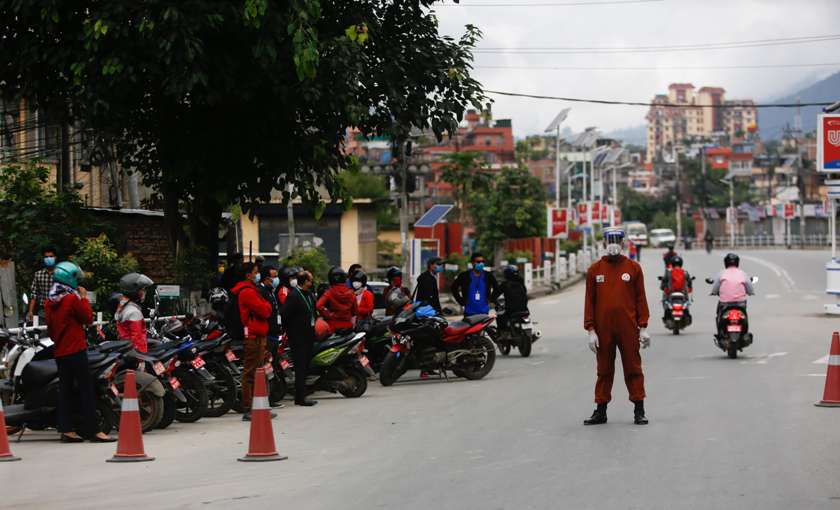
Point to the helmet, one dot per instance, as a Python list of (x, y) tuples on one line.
[(336, 275), (731, 259), (396, 299), (676, 261), (132, 283), (218, 298), (113, 302), (359, 276), (613, 235), (289, 272), (392, 273), (67, 273), (511, 272)]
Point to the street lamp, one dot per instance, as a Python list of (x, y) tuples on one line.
[(733, 221), (555, 126)]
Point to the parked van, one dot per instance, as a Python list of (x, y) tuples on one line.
[(636, 232)]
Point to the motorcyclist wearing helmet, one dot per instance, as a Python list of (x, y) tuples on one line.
[(288, 281), (676, 279), (131, 324), (351, 271), (337, 305), (364, 297), (668, 257), (732, 286), (395, 284), (515, 295)]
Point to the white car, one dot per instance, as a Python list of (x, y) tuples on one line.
[(662, 237), (636, 232)]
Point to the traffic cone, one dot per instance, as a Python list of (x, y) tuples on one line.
[(130, 444), (261, 446), (5, 452), (831, 395)]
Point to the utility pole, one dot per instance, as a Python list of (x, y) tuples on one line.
[(555, 127), (800, 170), (290, 216), (403, 170), (583, 199), (678, 196), (734, 220)]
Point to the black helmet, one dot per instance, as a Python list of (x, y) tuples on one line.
[(396, 299), (289, 272), (676, 261), (511, 272), (336, 275), (392, 273), (359, 276), (218, 299), (731, 259), (132, 283)]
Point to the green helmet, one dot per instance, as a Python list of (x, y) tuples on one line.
[(67, 273)]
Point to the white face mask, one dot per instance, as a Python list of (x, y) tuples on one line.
[(357, 285), (613, 249), (293, 282)]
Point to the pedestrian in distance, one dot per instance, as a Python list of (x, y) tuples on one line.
[(42, 283), (68, 312), (131, 324), (709, 240), (337, 305), (269, 283), (426, 291), (254, 312), (299, 318), (616, 318), (473, 289)]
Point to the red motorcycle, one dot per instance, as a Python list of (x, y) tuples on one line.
[(427, 342)]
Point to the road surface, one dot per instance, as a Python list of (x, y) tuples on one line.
[(723, 434)]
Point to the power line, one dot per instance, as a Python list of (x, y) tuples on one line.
[(649, 104), (656, 68), (554, 4), (571, 50)]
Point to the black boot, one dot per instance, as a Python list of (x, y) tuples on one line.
[(639, 413), (598, 417)]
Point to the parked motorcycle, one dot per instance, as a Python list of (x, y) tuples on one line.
[(732, 326), (338, 365), (377, 340), (513, 330), (431, 343)]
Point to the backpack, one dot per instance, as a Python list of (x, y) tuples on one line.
[(233, 321), (677, 279)]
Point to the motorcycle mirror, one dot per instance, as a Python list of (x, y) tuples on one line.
[(659, 278), (754, 279), (709, 281), (693, 277)]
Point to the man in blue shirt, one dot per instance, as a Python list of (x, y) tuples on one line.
[(473, 289)]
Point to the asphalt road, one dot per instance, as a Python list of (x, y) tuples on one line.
[(723, 434)]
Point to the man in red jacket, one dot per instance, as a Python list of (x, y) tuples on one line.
[(337, 305), (254, 311), (68, 312)]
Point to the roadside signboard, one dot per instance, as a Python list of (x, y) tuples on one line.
[(828, 143), (596, 212), (558, 222), (789, 211), (583, 214)]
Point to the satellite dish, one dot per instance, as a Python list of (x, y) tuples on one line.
[(558, 120)]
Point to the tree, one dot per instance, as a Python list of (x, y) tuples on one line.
[(468, 173), (220, 102), (514, 207)]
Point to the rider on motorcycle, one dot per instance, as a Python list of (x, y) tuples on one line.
[(129, 317), (515, 296), (732, 286), (668, 257), (676, 279)]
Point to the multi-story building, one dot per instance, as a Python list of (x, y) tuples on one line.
[(697, 114)]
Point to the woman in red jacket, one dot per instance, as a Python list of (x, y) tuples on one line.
[(68, 312), (337, 305), (364, 297)]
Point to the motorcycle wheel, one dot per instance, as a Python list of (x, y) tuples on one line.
[(277, 389), (676, 331), (732, 350), (221, 394), (168, 411), (504, 348), (197, 398), (354, 385), (525, 345), (479, 370), (393, 368), (150, 406)]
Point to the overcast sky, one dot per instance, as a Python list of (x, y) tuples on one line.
[(666, 22)]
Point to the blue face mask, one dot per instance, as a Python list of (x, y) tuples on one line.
[(275, 282), (49, 261), (479, 266), (438, 269), (257, 278)]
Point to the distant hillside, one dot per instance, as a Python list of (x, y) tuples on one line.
[(771, 121), (636, 135)]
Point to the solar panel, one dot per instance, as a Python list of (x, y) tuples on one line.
[(433, 216)]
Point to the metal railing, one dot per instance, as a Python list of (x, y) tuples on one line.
[(769, 241)]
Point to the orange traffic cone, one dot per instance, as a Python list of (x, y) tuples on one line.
[(831, 395), (5, 452), (130, 444), (261, 443)]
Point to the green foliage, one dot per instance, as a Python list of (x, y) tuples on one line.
[(102, 265), (468, 173), (358, 184), (192, 268), (511, 256), (639, 207), (388, 254), (513, 208), (387, 216), (313, 260)]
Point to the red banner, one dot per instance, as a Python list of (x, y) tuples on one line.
[(596, 212), (606, 217), (789, 211), (558, 223), (828, 143), (583, 214), (616, 216)]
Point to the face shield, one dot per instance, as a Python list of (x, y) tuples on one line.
[(614, 241)]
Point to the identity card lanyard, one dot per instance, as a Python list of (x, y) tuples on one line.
[(308, 307)]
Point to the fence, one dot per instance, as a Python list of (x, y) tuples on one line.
[(566, 267), (770, 241)]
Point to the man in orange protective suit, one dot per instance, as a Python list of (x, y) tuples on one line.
[(616, 317)]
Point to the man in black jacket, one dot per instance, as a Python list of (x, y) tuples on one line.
[(475, 288), (299, 321), (427, 284)]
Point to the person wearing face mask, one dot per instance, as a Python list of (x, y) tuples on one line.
[(352, 271), (42, 283), (473, 289), (337, 305), (616, 317), (129, 316), (299, 315), (269, 282), (394, 277), (427, 284), (254, 312), (364, 298)]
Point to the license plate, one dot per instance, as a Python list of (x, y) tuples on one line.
[(527, 326), (230, 356), (268, 369), (115, 390), (198, 362), (364, 361), (735, 328), (284, 364), (174, 382), (141, 367), (159, 368), (678, 314)]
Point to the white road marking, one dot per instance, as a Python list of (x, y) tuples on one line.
[(821, 361), (811, 375), (763, 359), (772, 296), (787, 281), (537, 363), (809, 297), (549, 302), (690, 378)]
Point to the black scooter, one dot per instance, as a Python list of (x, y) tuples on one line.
[(732, 325)]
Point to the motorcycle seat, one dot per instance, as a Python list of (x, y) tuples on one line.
[(208, 345), (39, 373), (154, 344), (472, 320), (114, 346), (94, 358), (333, 341), (456, 327)]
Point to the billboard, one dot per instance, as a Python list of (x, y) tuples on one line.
[(558, 222), (828, 143), (596, 212), (789, 211), (583, 214)]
